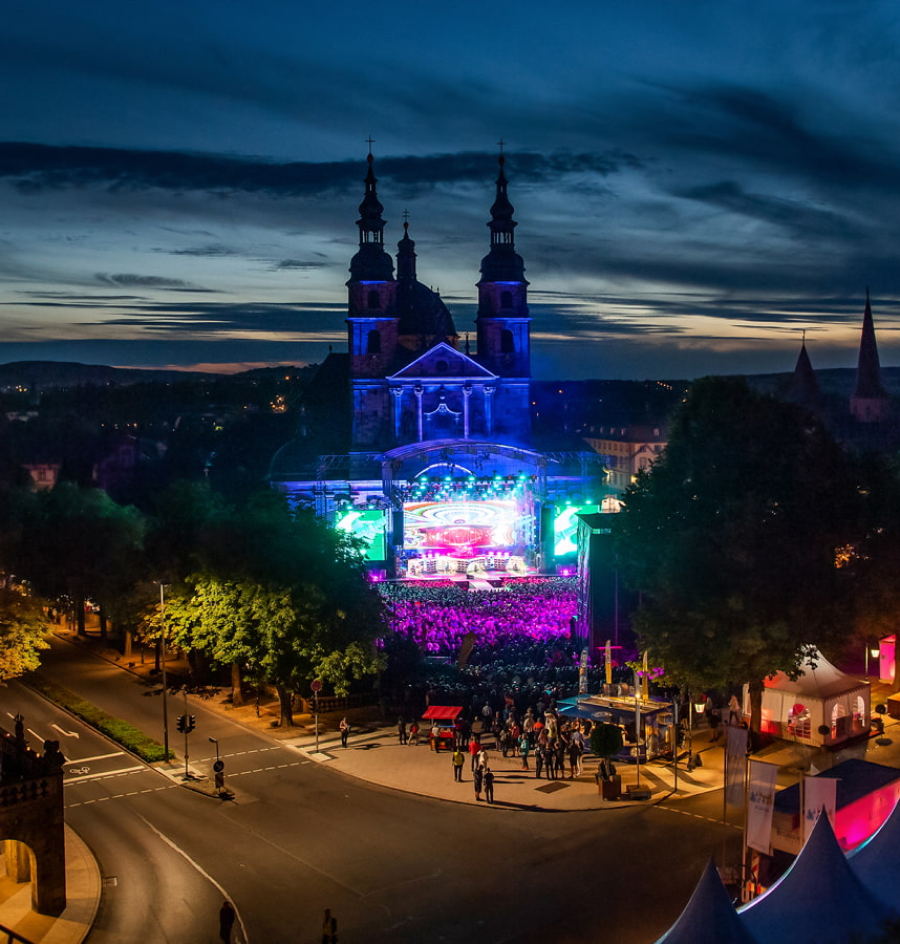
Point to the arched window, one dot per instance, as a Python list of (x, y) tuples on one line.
[(506, 300), (373, 345), (507, 342), (374, 300)]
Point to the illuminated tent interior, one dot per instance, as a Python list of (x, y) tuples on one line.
[(822, 696)]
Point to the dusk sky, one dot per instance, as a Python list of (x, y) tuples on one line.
[(695, 182)]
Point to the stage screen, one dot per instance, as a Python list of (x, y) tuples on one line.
[(565, 528), (460, 528), (368, 525)]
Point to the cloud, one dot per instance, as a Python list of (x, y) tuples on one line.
[(142, 281), (34, 168)]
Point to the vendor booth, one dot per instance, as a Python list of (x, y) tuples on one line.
[(822, 696), (442, 717), (657, 728)]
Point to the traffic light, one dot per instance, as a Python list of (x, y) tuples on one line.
[(186, 723), (180, 723), (191, 724)]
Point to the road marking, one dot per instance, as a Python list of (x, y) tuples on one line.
[(84, 760), (68, 734), (200, 869), (34, 734), (105, 773)]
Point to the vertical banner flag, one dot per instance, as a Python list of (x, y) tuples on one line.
[(608, 662), (735, 765), (818, 792), (761, 805), (645, 678), (582, 672)]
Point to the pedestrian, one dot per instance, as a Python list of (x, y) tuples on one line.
[(524, 750), (414, 733), (345, 731), (227, 915), (549, 755), (474, 748), (538, 761), (478, 779), (401, 729), (574, 753), (329, 928), (458, 761), (489, 784), (734, 711)]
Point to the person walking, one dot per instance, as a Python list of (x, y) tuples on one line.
[(478, 779), (489, 784), (458, 761), (401, 729), (474, 748), (345, 731), (227, 916), (414, 733), (329, 928)]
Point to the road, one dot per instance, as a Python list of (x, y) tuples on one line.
[(299, 837)]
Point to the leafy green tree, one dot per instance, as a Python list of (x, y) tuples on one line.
[(732, 537), (23, 626), (282, 594)]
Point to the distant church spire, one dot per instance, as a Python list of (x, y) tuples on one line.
[(406, 253), (804, 388), (502, 262), (869, 402)]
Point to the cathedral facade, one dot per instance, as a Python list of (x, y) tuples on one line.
[(439, 475)]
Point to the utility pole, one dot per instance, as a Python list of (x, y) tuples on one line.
[(162, 652)]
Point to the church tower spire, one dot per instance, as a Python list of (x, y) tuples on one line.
[(371, 262), (804, 389), (503, 323), (869, 403)]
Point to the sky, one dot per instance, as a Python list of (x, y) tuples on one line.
[(695, 183)]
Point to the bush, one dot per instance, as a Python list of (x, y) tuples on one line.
[(120, 731), (606, 740)]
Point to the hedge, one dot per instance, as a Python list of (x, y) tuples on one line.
[(120, 731)]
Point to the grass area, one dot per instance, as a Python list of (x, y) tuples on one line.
[(120, 731)]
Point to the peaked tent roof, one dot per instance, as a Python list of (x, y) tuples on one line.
[(709, 917), (819, 900), (819, 679), (876, 863)]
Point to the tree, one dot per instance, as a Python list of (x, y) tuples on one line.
[(732, 537), (282, 594), (22, 629), (606, 742)]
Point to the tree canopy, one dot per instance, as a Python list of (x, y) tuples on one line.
[(23, 626), (733, 539)]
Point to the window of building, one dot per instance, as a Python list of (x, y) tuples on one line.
[(374, 300), (373, 345), (507, 342), (506, 300)]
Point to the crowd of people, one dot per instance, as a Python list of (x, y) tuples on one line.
[(438, 617)]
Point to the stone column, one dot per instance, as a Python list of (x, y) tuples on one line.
[(467, 392), (418, 390)]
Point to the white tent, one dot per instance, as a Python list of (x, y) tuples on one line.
[(821, 696)]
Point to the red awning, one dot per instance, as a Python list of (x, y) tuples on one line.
[(441, 713)]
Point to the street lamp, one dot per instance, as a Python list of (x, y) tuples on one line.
[(162, 653), (874, 653)]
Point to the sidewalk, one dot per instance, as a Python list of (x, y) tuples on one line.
[(82, 895)]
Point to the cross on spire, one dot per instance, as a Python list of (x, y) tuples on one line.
[(370, 141), (406, 216), (500, 144)]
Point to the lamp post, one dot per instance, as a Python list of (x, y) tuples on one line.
[(162, 654), (875, 653)]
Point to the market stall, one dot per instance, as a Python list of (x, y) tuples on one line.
[(442, 718), (656, 735)]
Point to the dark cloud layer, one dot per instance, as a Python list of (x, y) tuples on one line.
[(36, 167)]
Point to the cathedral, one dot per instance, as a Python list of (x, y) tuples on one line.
[(438, 472)]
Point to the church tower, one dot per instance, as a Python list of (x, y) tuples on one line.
[(869, 403), (804, 388), (504, 344), (371, 321), (372, 317)]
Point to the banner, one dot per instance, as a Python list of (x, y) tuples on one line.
[(761, 803), (818, 792), (583, 672), (735, 765)]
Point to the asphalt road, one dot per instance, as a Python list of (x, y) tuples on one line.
[(299, 837)]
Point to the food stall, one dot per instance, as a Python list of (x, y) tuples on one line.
[(443, 717), (657, 728)]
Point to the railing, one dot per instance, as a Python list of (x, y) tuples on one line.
[(334, 703), (13, 938)]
